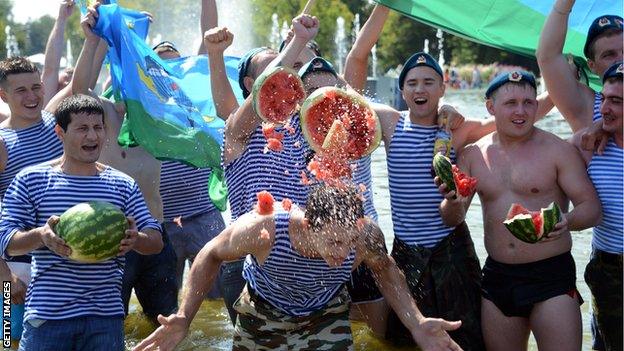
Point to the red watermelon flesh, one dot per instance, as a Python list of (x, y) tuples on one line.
[(465, 185), (279, 97), (536, 216), (265, 203)]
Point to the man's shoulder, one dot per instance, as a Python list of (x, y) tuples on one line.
[(118, 175)]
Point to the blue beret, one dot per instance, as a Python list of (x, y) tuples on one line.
[(317, 64), (506, 77), (243, 67), (419, 59), (614, 71), (600, 25)]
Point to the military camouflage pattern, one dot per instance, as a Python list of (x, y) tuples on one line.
[(260, 326), (446, 283), (603, 274)]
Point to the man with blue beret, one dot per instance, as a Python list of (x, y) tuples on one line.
[(603, 273), (526, 287), (577, 102)]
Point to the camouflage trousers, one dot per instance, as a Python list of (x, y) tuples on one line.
[(445, 281), (603, 274), (260, 326)]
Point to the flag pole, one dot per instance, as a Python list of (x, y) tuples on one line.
[(308, 7)]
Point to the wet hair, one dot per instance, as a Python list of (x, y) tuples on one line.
[(16, 65), (76, 104), (333, 204), (607, 33)]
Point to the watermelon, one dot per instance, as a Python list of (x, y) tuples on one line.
[(93, 230), (453, 177), (265, 203), (343, 113), (532, 226), (277, 94)]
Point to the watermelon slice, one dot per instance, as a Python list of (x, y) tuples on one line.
[(276, 94), (532, 226), (453, 177), (345, 112)]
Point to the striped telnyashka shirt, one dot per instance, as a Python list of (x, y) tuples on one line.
[(414, 197), (62, 288), (184, 190), (292, 283)]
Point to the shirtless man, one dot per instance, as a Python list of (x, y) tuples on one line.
[(526, 287), (577, 102)]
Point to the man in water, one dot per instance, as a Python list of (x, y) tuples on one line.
[(85, 311), (604, 270), (296, 266), (577, 102), (525, 287)]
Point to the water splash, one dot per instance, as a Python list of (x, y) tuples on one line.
[(12, 48), (426, 46), (284, 31), (374, 61), (440, 36), (275, 37), (356, 28), (341, 47)]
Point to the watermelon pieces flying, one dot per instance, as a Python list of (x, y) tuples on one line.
[(454, 179), (532, 226), (93, 231), (265, 203)]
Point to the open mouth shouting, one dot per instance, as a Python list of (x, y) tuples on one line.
[(420, 101), (90, 147)]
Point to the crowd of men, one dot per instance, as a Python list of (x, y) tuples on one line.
[(294, 278)]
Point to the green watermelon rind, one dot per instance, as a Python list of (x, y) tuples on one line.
[(444, 170), (317, 96), (259, 83), (92, 230), (521, 226)]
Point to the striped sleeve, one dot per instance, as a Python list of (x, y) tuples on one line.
[(18, 211), (136, 208)]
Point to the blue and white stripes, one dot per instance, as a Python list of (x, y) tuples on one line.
[(29, 146), (61, 288), (276, 172), (605, 171), (292, 283), (414, 197), (184, 190), (597, 102)]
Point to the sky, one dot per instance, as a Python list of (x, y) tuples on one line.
[(25, 9)]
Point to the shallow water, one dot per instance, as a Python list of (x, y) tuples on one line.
[(211, 329)]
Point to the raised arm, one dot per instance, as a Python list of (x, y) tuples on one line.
[(81, 80), (241, 125), (430, 334), (54, 50), (208, 20), (573, 99), (356, 64), (237, 240), (216, 40)]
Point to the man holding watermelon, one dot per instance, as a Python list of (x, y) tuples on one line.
[(603, 273), (526, 287), (281, 310), (85, 311)]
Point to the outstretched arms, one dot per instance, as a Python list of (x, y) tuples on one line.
[(54, 50)]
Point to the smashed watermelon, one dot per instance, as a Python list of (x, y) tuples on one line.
[(340, 122), (265, 203), (532, 226), (276, 94)]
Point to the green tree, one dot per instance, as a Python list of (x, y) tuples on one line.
[(326, 10)]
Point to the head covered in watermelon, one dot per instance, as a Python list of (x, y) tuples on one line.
[(332, 215)]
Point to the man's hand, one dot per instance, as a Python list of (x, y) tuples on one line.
[(66, 9), (217, 39), (449, 118), (88, 21), (450, 195), (172, 331), (560, 229), (18, 290), (305, 27), (129, 241), (53, 241), (595, 139), (431, 335)]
